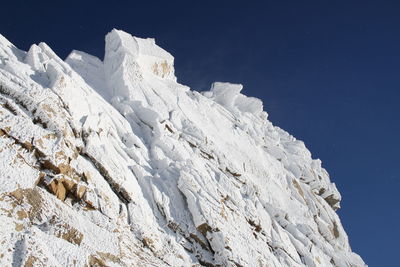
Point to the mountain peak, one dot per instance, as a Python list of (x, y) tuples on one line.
[(113, 163), (151, 58)]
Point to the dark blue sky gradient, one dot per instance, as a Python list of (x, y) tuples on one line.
[(328, 72)]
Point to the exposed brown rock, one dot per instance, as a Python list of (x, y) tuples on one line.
[(17, 194), (147, 242), (256, 226), (19, 227), (80, 191), (72, 235), (335, 230), (30, 262), (64, 168), (21, 214), (331, 200), (57, 188), (86, 177), (204, 228), (28, 146), (94, 261), (298, 187), (235, 174), (199, 241), (48, 165)]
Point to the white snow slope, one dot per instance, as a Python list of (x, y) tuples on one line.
[(114, 163)]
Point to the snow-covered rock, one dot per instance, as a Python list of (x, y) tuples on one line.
[(113, 163)]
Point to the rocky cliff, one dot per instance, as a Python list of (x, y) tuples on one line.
[(113, 163)]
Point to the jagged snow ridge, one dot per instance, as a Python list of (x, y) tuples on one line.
[(114, 163)]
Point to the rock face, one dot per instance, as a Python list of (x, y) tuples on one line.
[(114, 163)]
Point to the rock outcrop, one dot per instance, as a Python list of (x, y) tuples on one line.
[(113, 163)]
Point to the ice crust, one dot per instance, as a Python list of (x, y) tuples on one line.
[(113, 162)]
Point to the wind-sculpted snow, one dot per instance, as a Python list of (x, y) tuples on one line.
[(113, 163)]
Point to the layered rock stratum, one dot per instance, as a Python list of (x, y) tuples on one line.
[(113, 163)]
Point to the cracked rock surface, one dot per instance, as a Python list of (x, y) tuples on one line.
[(113, 163)]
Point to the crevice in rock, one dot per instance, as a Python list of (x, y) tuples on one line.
[(257, 227), (120, 192), (234, 174)]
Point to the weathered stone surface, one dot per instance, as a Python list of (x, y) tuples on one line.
[(113, 163)]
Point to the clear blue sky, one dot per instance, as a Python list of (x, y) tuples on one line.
[(327, 71)]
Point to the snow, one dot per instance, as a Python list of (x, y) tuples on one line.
[(113, 162), (228, 95)]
